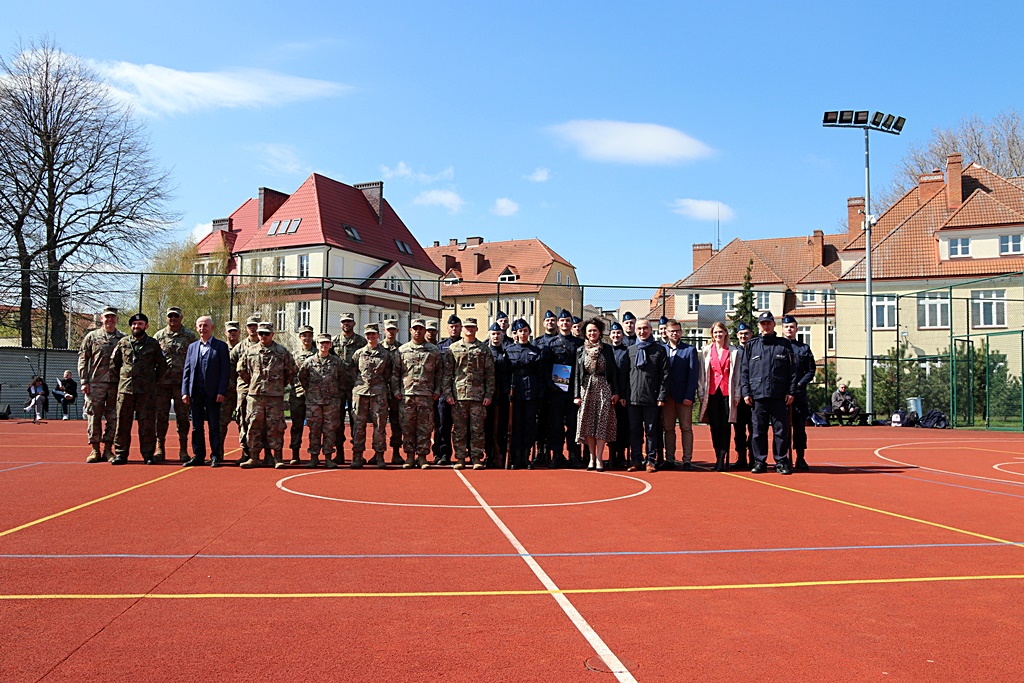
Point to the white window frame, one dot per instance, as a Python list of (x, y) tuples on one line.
[(280, 317), (933, 311), (256, 266), (692, 303), (990, 304), (762, 301), (304, 265), (200, 274), (828, 296), (1011, 245), (886, 304), (507, 276), (959, 247), (803, 334), (465, 306), (558, 277), (280, 267), (302, 312), (830, 338), (808, 296), (729, 301)]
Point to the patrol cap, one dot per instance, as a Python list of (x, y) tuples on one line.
[(565, 314), (501, 314), (306, 328), (232, 325), (520, 324), (432, 324), (469, 322), (252, 320), (347, 318), (265, 327), (418, 322), (549, 314), (174, 310), (615, 326), (454, 320), (109, 310), (663, 320), (743, 326), (789, 319), (390, 324), (372, 327), (323, 337), (140, 317), (576, 320), (495, 327), (628, 315), (766, 316)]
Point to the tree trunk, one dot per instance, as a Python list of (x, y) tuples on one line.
[(25, 309), (55, 304)]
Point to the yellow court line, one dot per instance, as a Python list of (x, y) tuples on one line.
[(881, 512), (506, 593)]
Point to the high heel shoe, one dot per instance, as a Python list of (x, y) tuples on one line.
[(590, 466)]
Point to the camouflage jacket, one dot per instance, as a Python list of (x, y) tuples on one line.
[(420, 368), (267, 370), (94, 357), (175, 346), (345, 349), (232, 374), (300, 357), (237, 351), (468, 371), (320, 379), (140, 364), (374, 376)]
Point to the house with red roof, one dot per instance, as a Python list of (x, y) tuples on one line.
[(523, 278), (327, 248)]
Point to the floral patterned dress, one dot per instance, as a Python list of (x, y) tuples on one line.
[(596, 415)]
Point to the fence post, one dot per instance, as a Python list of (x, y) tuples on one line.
[(231, 298), (46, 325), (583, 290), (142, 281), (409, 326)]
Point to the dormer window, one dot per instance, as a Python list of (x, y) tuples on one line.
[(959, 247), (452, 280), (352, 233), (507, 276)]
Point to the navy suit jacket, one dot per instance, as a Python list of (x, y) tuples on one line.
[(215, 374), (683, 373)]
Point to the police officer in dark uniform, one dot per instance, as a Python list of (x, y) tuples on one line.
[(443, 431), (768, 375), (577, 327), (496, 422), (561, 411), (621, 353), (543, 457), (743, 427), (529, 384), (629, 328), (503, 323), (804, 376)]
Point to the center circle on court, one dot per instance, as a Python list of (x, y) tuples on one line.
[(293, 483)]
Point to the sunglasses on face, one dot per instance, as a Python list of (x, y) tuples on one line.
[(263, 334)]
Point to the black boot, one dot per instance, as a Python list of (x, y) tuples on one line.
[(720, 465), (295, 457), (741, 461), (801, 464)]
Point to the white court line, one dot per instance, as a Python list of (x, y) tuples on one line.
[(588, 632), (878, 453), (9, 469)]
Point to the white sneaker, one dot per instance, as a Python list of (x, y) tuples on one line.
[(65, 417)]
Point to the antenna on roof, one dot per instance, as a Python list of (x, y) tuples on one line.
[(718, 226)]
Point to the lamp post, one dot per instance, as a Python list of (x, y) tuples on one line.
[(886, 123)]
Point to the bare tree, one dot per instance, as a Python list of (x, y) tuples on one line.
[(86, 188)]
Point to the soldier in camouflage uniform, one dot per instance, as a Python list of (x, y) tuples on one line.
[(227, 407), (174, 340), (297, 396), (320, 376), (140, 365), (432, 332), (241, 386), (468, 388), (267, 369), (99, 384), (344, 346), (391, 343), (419, 368), (375, 384)]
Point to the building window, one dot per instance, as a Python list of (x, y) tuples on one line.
[(294, 227), (507, 276), (352, 233), (279, 268), (304, 265), (302, 313), (830, 338), (692, 303), (449, 306), (933, 310), (273, 228), (452, 280), (393, 284), (1009, 244), (960, 246), (808, 296), (256, 266), (558, 277), (568, 280), (729, 301), (988, 308), (803, 334), (828, 296), (467, 306), (200, 270), (763, 301), (403, 247), (885, 311), (280, 317)]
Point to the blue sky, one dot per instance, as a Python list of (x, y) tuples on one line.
[(608, 130)]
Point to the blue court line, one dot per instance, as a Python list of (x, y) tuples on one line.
[(946, 483), (31, 464), (403, 556)]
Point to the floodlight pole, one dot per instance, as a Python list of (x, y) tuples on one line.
[(869, 351)]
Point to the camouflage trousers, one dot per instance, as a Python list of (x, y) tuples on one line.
[(297, 408), (347, 411), (242, 410), (264, 424), (227, 413), (130, 408), (468, 433), (323, 422), (165, 396), (395, 422), (100, 406), (373, 410), (417, 424)]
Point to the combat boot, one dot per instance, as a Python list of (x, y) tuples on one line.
[(329, 463), (108, 451), (458, 464), (422, 460), (296, 460), (94, 454), (378, 460), (409, 462), (253, 461), (278, 458), (396, 457), (158, 454), (314, 460), (477, 465), (183, 453), (357, 461)]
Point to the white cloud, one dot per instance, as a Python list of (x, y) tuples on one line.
[(446, 198), (156, 90), (403, 170), (503, 206), (702, 209), (540, 175), (280, 159), (201, 230), (631, 143)]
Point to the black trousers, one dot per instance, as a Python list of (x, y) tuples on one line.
[(801, 410), (205, 411), (443, 430), (496, 430), (620, 446), (524, 428), (773, 413), (561, 416), (718, 420), (744, 431), (644, 424)]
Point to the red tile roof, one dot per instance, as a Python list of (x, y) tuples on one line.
[(531, 259), (778, 260), (981, 210)]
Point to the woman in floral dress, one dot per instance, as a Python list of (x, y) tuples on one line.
[(595, 391)]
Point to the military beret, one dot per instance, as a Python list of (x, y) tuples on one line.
[(321, 338), (469, 322), (565, 314), (628, 315), (766, 317), (372, 327), (266, 327), (138, 316), (549, 314), (789, 319), (520, 324), (174, 310), (252, 320), (418, 322), (347, 318), (742, 326), (454, 320), (576, 320), (305, 328), (501, 314), (431, 324), (663, 320), (615, 326), (110, 310), (495, 327), (232, 325), (390, 324)]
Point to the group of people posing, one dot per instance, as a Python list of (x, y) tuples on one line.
[(511, 399)]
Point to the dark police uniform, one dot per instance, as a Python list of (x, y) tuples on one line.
[(529, 385), (496, 423), (801, 407), (743, 426), (561, 410), (768, 373), (543, 456)]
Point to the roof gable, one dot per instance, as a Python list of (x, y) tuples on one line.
[(479, 266), (981, 210)]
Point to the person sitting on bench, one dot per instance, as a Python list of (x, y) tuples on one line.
[(66, 392), (36, 403), (844, 405)]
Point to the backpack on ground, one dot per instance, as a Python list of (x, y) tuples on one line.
[(899, 418), (913, 419), (934, 419), (818, 421)]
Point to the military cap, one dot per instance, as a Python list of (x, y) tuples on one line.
[(549, 314), (265, 327), (418, 322), (615, 326), (306, 328), (252, 320), (469, 322), (576, 320), (565, 314), (232, 325), (789, 319), (138, 316), (321, 338), (454, 320), (520, 324), (742, 326), (174, 310), (628, 315), (663, 320), (390, 324), (495, 327), (431, 324), (766, 317), (501, 314), (109, 310), (347, 318), (372, 327)]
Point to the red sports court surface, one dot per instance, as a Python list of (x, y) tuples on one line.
[(899, 557)]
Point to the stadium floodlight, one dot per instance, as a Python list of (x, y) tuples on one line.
[(846, 117), (898, 126), (887, 124), (831, 118), (860, 118), (876, 120)]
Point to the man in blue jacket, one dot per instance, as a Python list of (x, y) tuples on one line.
[(204, 384), (768, 376), (683, 372)]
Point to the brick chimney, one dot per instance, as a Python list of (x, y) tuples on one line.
[(453, 242), (929, 184), (702, 253), (436, 243), (374, 193), (223, 224), (479, 261), (449, 262), (474, 241), (854, 216), (954, 182), (270, 202), (817, 242)]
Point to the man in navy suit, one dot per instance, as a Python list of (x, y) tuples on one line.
[(204, 385)]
